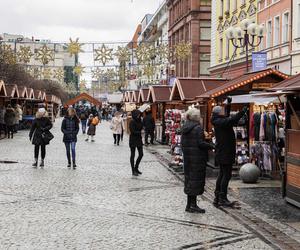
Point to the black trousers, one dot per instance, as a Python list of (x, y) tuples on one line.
[(223, 179), (37, 150), (10, 131), (132, 157), (151, 133), (117, 138)]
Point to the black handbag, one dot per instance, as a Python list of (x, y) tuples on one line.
[(47, 136)]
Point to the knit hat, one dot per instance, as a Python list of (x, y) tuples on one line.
[(217, 110), (42, 110)]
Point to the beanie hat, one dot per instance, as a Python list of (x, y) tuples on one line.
[(217, 110), (42, 110)]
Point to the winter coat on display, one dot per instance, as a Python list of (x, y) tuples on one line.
[(117, 125), (148, 122), (92, 127), (136, 127), (10, 117), (225, 137), (70, 129), (39, 126), (195, 152)]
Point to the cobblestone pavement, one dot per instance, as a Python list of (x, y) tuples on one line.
[(101, 206)]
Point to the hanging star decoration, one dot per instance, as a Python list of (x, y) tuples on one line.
[(7, 54), (164, 51), (97, 73), (143, 54), (149, 71), (24, 54), (113, 86), (47, 73), (44, 55), (123, 54), (59, 74), (104, 54), (110, 74), (38, 73), (79, 70), (30, 70), (74, 47), (82, 86), (183, 50)]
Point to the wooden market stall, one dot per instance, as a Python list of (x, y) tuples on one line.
[(291, 181), (143, 95), (250, 143), (3, 94)]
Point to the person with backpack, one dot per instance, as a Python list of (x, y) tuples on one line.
[(92, 124), (83, 115), (40, 135)]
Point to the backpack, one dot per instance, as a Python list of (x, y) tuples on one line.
[(82, 116), (95, 121)]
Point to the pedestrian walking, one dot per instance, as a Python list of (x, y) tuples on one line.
[(225, 149), (40, 135), (195, 156), (19, 117), (70, 129), (149, 126), (2, 121), (83, 115), (92, 124), (10, 118), (135, 141), (117, 127)]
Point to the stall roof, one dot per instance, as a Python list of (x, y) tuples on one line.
[(143, 95), (256, 99), (12, 90), (292, 83), (242, 81), (134, 96), (3, 92), (23, 92), (30, 93), (38, 94), (186, 89), (159, 93)]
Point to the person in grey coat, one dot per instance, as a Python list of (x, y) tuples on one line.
[(2, 121), (10, 118)]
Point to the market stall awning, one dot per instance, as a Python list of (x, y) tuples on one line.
[(23, 92), (159, 94), (264, 80), (186, 89), (30, 93), (143, 95), (3, 92), (12, 91), (38, 94), (256, 99), (292, 83), (134, 96)]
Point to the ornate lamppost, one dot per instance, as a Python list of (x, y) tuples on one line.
[(244, 36)]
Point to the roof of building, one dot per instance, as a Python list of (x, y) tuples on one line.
[(292, 83), (159, 93), (12, 90), (143, 95)]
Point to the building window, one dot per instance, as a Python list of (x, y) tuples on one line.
[(285, 27), (221, 7), (269, 34), (221, 49), (227, 48), (276, 31), (204, 63), (205, 30), (205, 2)]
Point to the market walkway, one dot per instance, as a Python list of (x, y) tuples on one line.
[(100, 206)]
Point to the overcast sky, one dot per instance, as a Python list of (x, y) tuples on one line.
[(90, 20)]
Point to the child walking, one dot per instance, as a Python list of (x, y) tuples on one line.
[(92, 123)]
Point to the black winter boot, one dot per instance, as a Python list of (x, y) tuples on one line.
[(134, 173), (35, 163), (137, 170), (194, 207), (42, 163), (74, 165), (224, 202)]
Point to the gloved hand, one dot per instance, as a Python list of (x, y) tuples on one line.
[(229, 100), (245, 109)]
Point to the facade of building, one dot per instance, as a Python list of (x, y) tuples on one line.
[(226, 61), (295, 37), (190, 21), (276, 17)]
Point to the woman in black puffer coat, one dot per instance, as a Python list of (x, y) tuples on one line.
[(70, 129), (195, 156), (40, 126), (135, 141)]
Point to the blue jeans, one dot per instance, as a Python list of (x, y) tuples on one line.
[(70, 147), (83, 125)]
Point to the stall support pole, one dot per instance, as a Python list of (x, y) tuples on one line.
[(163, 137)]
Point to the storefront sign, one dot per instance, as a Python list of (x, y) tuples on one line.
[(262, 86), (259, 61)]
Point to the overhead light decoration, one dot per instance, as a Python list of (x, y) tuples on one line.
[(59, 74), (97, 73), (47, 73), (38, 73), (44, 55), (110, 74), (82, 86), (104, 54), (149, 71), (74, 47), (164, 51), (7, 54), (143, 53), (79, 70), (24, 54), (183, 50), (123, 54)]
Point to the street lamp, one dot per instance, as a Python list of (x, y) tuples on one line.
[(244, 36)]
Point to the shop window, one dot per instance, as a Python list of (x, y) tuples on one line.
[(204, 63), (269, 34), (276, 30), (285, 27), (205, 30)]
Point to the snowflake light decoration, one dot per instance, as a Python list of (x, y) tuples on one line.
[(24, 54), (97, 73), (79, 70), (104, 54), (7, 54), (74, 47), (143, 53), (110, 74), (47, 73), (44, 54), (149, 71), (183, 50), (164, 51), (38, 73), (59, 74), (30, 70), (123, 54)]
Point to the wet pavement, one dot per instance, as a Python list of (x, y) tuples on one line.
[(101, 206)]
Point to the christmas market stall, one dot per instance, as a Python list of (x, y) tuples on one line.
[(3, 94), (257, 135), (143, 96), (291, 181)]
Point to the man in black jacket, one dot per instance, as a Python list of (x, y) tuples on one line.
[(225, 149), (149, 125)]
